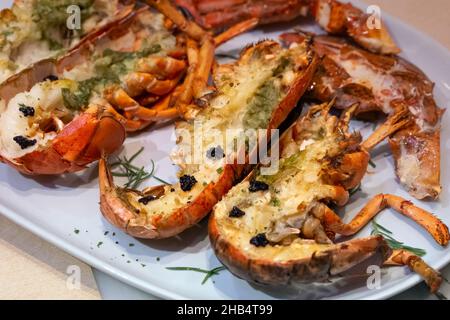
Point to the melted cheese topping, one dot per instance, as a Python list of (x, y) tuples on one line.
[(46, 97), (222, 122), (46, 100), (21, 39), (283, 209)]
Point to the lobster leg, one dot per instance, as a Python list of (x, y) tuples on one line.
[(193, 30), (160, 111), (435, 227), (165, 67), (129, 124), (185, 98), (139, 82), (394, 123), (405, 258), (235, 30), (206, 60)]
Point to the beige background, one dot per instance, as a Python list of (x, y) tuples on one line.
[(430, 16), (30, 268)]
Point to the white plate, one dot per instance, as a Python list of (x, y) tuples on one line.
[(54, 207)]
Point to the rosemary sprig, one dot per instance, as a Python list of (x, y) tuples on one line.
[(209, 273), (134, 174), (394, 244), (160, 180)]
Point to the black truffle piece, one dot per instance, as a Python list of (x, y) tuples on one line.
[(258, 186), (236, 212), (145, 200), (24, 142), (187, 182), (259, 240), (26, 110)]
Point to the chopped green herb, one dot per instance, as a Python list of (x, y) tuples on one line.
[(106, 233), (394, 244), (131, 244), (275, 202), (372, 164), (219, 170), (209, 273), (158, 259), (99, 244), (143, 265), (76, 231)]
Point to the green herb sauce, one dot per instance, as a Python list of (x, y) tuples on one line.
[(51, 18), (260, 108), (109, 67), (266, 98)]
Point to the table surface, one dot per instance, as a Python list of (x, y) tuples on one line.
[(31, 268)]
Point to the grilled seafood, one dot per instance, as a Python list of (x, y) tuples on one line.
[(138, 58), (332, 15), (40, 135), (256, 92), (200, 48), (385, 84), (147, 77), (55, 112), (282, 231), (33, 30)]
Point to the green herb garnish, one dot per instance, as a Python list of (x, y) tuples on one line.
[(79, 98), (209, 273), (394, 244), (134, 174), (219, 170), (99, 244), (372, 164), (275, 202), (76, 231), (109, 66)]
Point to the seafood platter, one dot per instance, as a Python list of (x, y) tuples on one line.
[(214, 149)]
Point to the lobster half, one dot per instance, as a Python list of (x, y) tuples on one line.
[(256, 92), (280, 230)]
